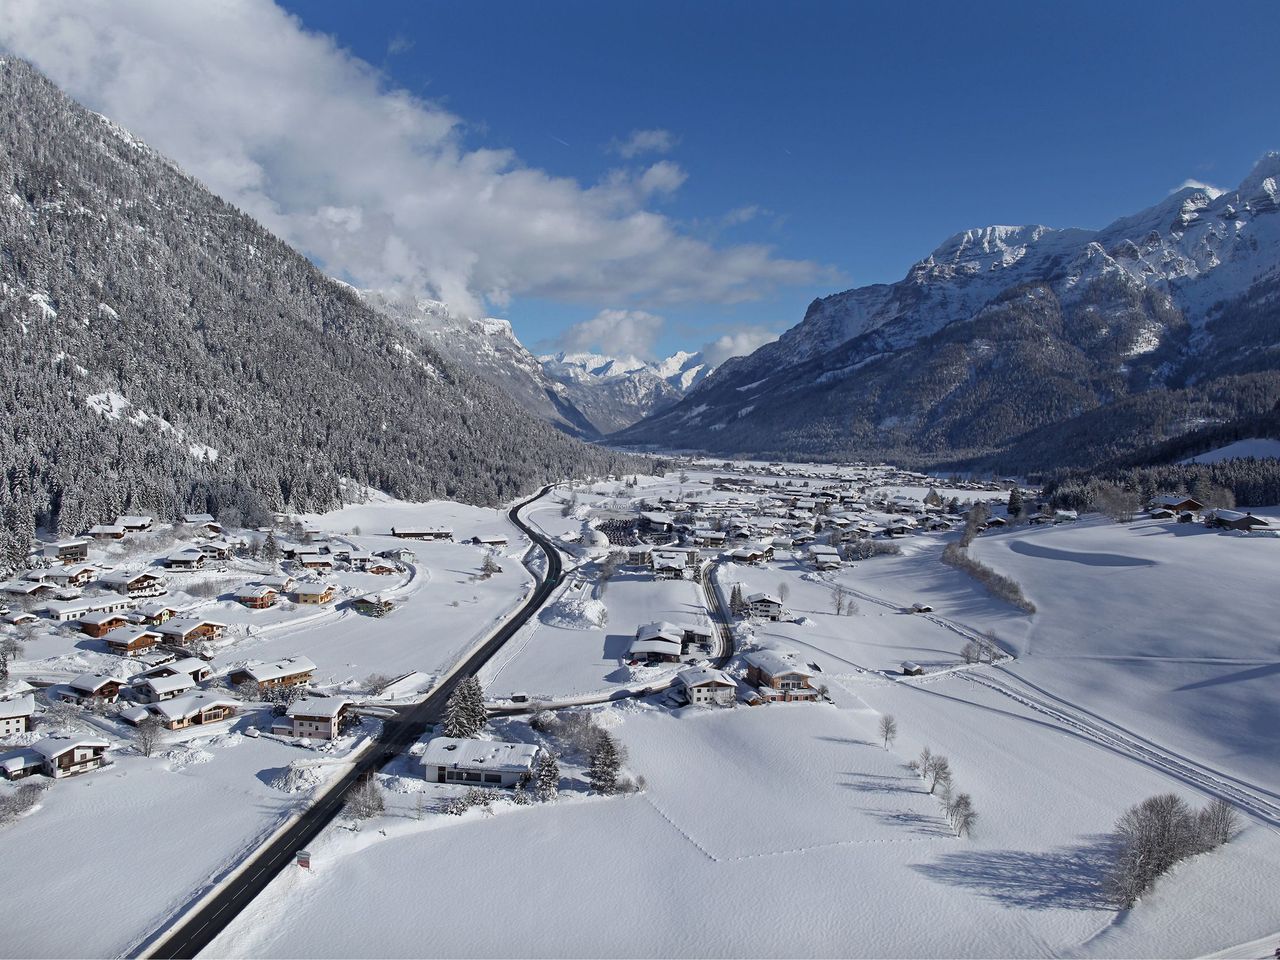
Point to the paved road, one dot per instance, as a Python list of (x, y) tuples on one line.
[(195, 932)]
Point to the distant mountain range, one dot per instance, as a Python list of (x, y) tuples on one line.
[(585, 395), (1020, 347), (162, 352)]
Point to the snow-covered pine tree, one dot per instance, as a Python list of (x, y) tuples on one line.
[(547, 776), (464, 714), (605, 764)]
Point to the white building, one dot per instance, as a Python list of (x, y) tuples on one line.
[(703, 685), (489, 763), (765, 606), (15, 715), (318, 718)]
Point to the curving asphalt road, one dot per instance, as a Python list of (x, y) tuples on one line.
[(194, 933)]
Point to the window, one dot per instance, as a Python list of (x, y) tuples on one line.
[(472, 777), (492, 778)]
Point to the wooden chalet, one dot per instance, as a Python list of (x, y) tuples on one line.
[(292, 672), (128, 641), (777, 677)]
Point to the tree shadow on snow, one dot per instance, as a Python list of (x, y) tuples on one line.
[(927, 825), (851, 741), (1066, 878)]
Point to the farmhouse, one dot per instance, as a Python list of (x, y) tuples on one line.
[(912, 669), (703, 685), (372, 605), (492, 763), (281, 673), (380, 567), (765, 606), (218, 549), (135, 524), (135, 585), (422, 533), (776, 676), (1177, 502), (314, 561), (1235, 520), (71, 575), (280, 583), (204, 523), (15, 715), (130, 640), (315, 594), (68, 551), (257, 596), (67, 756), (107, 531), (188, 558), (319, 718), (92, 686), (26, 588)]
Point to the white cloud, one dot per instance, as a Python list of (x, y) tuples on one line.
[(615, 333), (1198, 185), (374, 183), (399, 44), (737, 343), (644, 141)]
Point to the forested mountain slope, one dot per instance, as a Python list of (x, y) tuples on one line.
[(1020, 347), (162, 351)]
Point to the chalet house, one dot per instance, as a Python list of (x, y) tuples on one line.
[(659, 642), (381, 567), (912, 669), (135, 585), (403, 554), (204, 523), (776, 676), (92, 686), (282, 673), (257, 596), (668, 566), (422, 533), (315, 594), (98, 625), (193, 667), (1160, 513), (71, 575), (217, 549), (67, 551), (189, 710), (188, 558), (1178, 503), (26, 588), (130, 640), (19, 618), (703, 685), (157, 689), (107, 531), (708, 538), (319, 718), (639, 555), (185, 630), (1235, 520), (15, 715), (312, 560), (764, 606), (135, 524), (490, 763), (748, 555), (154, 614), (67, 756)]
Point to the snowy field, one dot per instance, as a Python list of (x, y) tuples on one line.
[(781, 831), (564, 653)]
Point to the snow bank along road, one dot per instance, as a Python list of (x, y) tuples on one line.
[(192, 934)]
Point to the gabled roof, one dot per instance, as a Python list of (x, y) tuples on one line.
[(174, 684), (93, 682), (179, 708), (53, 747), (705, 676), (774, 662), (278, 669), (22, 706), (660, 630), (764, 598), (327, 707)]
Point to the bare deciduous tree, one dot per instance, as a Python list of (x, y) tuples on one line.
[(888, 729), (149, 736)]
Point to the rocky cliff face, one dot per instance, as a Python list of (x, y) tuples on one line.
[(1002, 332)]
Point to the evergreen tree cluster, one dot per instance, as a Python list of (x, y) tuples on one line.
[(464, 714), (161, 352)]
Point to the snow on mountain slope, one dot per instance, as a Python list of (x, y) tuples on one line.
[(615, 392), (1171, 297)]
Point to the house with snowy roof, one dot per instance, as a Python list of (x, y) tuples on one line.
[(15, 714), (280, 673), (133, 583), (159, 689), (67, 551), (777, 676), (317, 718), (189, 710), (764, 606), (67, 756), (127, 641), (488, 763), (187, 558), (92, 686), (707, 686)]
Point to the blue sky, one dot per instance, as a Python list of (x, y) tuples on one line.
[(850, 139), (863, 133)]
